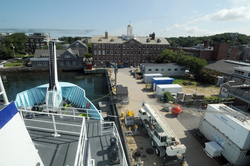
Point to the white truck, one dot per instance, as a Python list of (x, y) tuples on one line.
[(163, 139)]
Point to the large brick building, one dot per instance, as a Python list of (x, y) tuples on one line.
[(36, 40), (218, 52), (128, 49)]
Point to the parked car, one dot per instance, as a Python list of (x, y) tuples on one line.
[(3, 61)]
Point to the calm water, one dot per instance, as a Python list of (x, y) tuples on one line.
[(95, 86)]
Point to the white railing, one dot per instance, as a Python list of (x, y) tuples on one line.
[(54, 97), (62, 111), (47, 95), (112, 128), (53, 121), (81, 145)]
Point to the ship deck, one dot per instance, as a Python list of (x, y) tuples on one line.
[(60, 151)]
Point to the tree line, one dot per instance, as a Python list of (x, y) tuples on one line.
[(192, 63), (218, 38), (70, 40)]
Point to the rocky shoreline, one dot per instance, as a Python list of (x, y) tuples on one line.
[(35, 70)]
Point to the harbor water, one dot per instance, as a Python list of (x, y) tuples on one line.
[(95, 85)]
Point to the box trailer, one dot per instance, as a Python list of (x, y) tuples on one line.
[(232, 133), (147, 77), (172, 88), (159, 81)]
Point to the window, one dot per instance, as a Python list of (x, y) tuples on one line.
[(119, 59), (99, 45), (111, 52), (107, 52), (149, 69), (95, 52), (169, 69), (135, 52), (119, 52), (103, 46), (94, 45), (127, 46), (115, 46), (138, 59), (107, 58), (163, 139), (132, 47), (162, 69), (99, 52), (111, 46), (99, 58), (131, 59), (95, 58), (163, 90), (135, 58), (131, 53), (127, 58), (119, 46), (175, 69), (139, 47), (142, 52), (103, 52), (158, 47), (107, 46), (124, 46), (139, 52), (123, 59), (115, 58), (127, 52), (248, 74), (111, 58), (147, 46), (115, 52), (154, 47), (146, 52), (182, 69), (135, 46), (124, 52), (143, 47), (151, 47), (156, 69)]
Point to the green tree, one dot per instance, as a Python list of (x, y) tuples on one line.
[(89, 47), (88, 55), (18, 40)]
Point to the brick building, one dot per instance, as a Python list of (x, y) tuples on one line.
[(128, 49), (220, 51), (36, 40)]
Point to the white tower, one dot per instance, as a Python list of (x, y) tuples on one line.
[(129, 30)]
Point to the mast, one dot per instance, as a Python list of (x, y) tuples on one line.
[(53, 78)]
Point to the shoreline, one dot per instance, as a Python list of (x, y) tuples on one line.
[(35, 70)]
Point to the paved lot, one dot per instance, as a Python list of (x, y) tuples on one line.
[(182, 125)]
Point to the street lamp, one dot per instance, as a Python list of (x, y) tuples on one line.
[(13, 50)]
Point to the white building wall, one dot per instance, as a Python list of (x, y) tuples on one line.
[(168, 70)]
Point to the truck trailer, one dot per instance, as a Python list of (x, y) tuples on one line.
[(163, 139), (147, 77), (160, 81)]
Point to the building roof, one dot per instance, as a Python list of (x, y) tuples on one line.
[(159, 64), (120, 40), (223, 66), (80, 42), (40, 53), (234, 83), (243, 68)]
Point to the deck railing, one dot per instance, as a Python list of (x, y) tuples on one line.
[(110, 128)]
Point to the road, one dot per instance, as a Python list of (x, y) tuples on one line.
[(186, 122)]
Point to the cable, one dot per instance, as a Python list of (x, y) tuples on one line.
[(103, 96)]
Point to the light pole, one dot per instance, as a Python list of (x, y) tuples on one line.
[(13, 50)]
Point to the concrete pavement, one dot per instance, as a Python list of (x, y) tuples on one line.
[(195, 156)]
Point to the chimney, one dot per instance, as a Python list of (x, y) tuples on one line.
[(206, 43), (152, 36), (106, 34)]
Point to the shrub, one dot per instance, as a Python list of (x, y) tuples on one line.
[(168, 97)]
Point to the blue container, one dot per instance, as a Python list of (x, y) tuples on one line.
[(121, 66), (158, 81)]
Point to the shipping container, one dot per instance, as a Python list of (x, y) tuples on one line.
[(172, 88), (147, 77), (234, 154), (159, 81), (236, 129)]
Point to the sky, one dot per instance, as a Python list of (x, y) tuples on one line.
[(167, 18)]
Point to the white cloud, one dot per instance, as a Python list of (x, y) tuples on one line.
[(234, 14), (195, 11)]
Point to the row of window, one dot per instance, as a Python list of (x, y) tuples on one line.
[(61, 63), (167, 69), (118, 46), (107, 52), (119, 58)]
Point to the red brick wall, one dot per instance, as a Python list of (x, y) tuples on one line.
[(220, 51)]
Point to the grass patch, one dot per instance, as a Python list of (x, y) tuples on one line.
[(12, 64), (180, 79), (30, 56)]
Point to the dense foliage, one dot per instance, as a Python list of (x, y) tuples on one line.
[(168, 97), (218, 38), (18, 40), (89, 47), (193, 63), (207, 76)]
